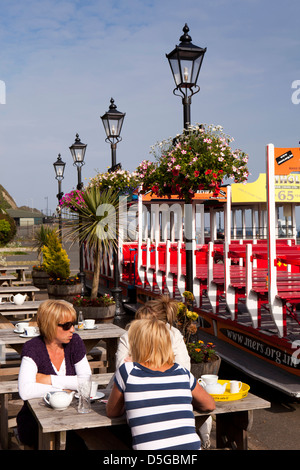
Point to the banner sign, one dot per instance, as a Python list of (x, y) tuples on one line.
[(286, 180), (287, 174)]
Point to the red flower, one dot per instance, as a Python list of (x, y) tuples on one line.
[(175, 172), (208, 172), (196, 173)]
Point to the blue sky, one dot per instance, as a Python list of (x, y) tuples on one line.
[(62, 61)]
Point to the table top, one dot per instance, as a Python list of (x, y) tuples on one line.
[(102, 331), (13, 268), (27, 305), (52, 420), (18, 289), (7, 277)]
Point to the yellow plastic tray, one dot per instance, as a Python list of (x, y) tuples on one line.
[(227, 396)]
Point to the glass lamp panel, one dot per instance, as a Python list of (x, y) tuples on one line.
[(59, 169), (78, 153), (175, 67)]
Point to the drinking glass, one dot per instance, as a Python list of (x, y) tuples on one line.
[(84, 392)]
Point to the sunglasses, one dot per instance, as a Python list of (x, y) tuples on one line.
[(66, 326)]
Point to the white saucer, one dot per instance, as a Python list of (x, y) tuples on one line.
[(93, 328), (17, 331), (96, 397), (23, 335)]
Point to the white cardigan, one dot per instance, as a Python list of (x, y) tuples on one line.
[(179, 348)]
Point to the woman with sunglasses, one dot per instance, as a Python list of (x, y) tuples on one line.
[(50, 362)]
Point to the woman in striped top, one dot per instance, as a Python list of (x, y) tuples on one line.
[(157, 394)]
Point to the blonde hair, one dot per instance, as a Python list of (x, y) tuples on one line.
[(150, 342), (144, 312), (52, 312), (164, 308)]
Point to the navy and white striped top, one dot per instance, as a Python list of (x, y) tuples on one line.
[(159, 407)]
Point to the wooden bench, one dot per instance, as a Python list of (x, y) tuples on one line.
[(9, 291)]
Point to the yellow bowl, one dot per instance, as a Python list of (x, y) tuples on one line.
[(227, 396)]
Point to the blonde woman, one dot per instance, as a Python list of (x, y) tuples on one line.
[(157, 394), (50, 361), (165, 309)]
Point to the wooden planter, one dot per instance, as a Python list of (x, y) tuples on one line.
[(63, 292), (198, 369), (40, 279), (99, 314)]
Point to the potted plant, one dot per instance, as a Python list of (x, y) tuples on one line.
[(101, 309), (57, 264), (204, 358), (198, 159)]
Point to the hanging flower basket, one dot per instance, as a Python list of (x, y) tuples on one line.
[(198, 159)]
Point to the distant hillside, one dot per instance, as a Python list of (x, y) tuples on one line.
[(6, 201)]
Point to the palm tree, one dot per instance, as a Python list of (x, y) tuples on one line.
[(96, 223), (40, 239)]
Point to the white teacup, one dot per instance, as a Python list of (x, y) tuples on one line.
[(209, 379), (89, 324), (30, 330), (235, 386), (94, 389), (19, 327)]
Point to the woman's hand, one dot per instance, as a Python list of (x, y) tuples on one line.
[(43, 379)]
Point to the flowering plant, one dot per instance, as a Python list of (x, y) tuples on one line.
[(38, 267), (186, 318), (198, 159), (121, 181), (68, 281), (201, 352), (73, 200), (103, 301)]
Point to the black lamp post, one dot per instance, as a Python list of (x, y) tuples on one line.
[(59, 168), (113, 122), (78, 152), (185, 62)]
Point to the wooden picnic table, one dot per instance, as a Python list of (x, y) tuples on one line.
[(108, 332), (9, 308), (20, 270), (7, 279), (13, 290), (233, 420)]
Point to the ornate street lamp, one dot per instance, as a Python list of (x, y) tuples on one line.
[(113, 122), (78, 153), (185, 62), (59, 168)]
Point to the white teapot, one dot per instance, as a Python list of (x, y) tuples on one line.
[(18, 299), (59, 400)]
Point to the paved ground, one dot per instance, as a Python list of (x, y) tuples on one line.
[(276, 428)]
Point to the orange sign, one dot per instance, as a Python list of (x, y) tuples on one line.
[(287, 161)]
